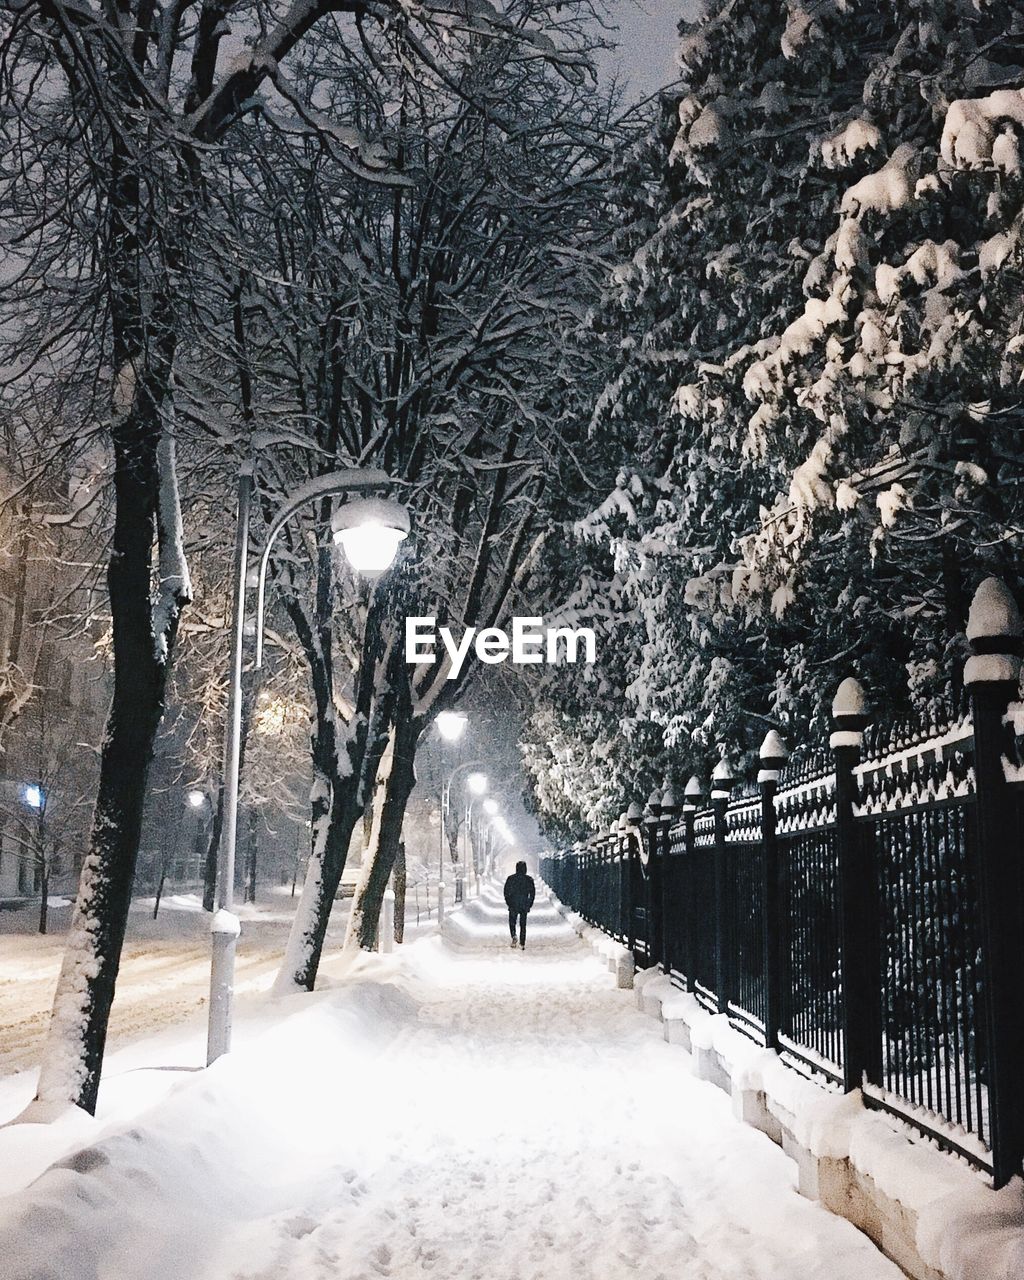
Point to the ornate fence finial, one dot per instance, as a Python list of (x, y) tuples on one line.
[(722, 780), (669, 804), (634, 814), (994, 630), (652, 809), (773, 757), (693, 793), (849, 715)]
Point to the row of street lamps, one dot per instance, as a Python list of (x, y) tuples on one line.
[(451, 725)]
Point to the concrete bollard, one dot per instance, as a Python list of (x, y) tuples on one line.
[(386, 931)]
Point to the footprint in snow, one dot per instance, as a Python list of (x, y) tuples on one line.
[(380, 1260), (301, 1225)]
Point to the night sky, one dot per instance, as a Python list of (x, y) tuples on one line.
[(647, 38)]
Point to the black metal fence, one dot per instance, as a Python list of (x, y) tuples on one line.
[(861, 912)]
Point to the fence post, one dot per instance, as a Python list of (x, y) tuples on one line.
[(722, 782), (633, 816), (858, 899), (773, 758), (655, 881), (669, 876), (693, 799), (991, 675)]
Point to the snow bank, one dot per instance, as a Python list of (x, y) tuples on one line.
[(960, 1227)]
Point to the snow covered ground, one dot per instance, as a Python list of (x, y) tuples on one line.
[(165, 970), (440, 1112)]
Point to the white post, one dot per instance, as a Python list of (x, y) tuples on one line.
[(386, 928), (225, 927), (445, 801)]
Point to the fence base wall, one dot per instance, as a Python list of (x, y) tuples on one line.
[(931, 1213)]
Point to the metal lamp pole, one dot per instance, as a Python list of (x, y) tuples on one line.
[(225, 927), (446, 800)]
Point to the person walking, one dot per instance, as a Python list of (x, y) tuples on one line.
[(519, 894)]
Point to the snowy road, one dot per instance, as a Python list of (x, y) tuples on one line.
[(444, 1114), (164, 978)]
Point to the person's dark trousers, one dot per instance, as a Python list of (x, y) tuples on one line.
[(513, 917)]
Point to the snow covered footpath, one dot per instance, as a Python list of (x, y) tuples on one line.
[(440, 1113)]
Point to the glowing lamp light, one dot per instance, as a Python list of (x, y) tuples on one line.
[(370, 531), (451, 725), (33, 795), (504, 830), (491, 807), (196, 799), (477, 783)]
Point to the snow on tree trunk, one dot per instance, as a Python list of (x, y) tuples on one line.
[(395, 781), (341, 779), (146, 508), (335, 812)]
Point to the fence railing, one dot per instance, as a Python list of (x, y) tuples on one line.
[(861, 912)]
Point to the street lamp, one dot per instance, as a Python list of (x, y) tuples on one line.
[(490, 806), (196, 799), (33, 795), (477, 783), (369, 531), (451, 725)]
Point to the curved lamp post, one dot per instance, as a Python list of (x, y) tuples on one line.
[(369, 531)]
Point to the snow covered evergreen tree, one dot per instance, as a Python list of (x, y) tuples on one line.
[(814, 327)]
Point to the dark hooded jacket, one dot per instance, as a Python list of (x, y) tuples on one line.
[(519, 891)]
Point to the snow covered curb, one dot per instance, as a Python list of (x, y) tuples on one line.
[(619, 959), (930, 1212)]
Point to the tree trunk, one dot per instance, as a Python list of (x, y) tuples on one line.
[(401, 883), (212, 849), (335, 813), (44, 899), (338, 800), (252, 851), (78, 1029), (396, 784), (159, 889), (170, 843)]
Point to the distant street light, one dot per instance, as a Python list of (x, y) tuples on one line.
[(490, 806), (369, 531), (196, 799), (477, 783), (451, 725), (33, 795)]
